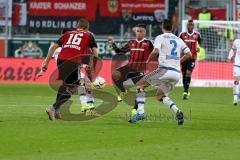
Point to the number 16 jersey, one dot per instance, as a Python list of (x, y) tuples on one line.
[(76, 44), (170, 47)]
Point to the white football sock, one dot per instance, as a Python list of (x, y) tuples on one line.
[(82, 95), (90, 100), (167, 101), (235, 92), (140, 100)]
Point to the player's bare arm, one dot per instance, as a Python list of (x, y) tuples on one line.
[(153, 54), (186, 56), (231, 56), (49, 56), (93, 61), (95, 52)]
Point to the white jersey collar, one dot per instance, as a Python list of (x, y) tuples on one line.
[(140, 40)]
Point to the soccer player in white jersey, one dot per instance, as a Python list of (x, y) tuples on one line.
[(168, 48), (234, 56)]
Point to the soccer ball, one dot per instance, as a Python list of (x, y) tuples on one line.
[(99, 82)]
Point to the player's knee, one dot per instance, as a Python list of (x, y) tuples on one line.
[(159, 97), (89, 87), (116, 75), (81, 81), (184, 73), (140, 85), (236, 82)]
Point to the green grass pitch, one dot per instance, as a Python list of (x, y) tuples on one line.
[(211, 131)]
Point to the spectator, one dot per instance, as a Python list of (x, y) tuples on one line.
[(205, 28), (129, 33), (187, 15)]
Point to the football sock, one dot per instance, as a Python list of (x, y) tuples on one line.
[(187, 84), (167, 101), (61, 89), (82, 94), (140, 100), (90, 99), (184, 83), (119, 84), (235, 90), (62, 98)]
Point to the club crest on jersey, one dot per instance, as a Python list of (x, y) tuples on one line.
[(112, 6)]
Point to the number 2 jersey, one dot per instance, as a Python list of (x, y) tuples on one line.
[(75, 45), (170, 48)]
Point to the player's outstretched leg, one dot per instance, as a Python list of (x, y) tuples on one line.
[(179, 115), (168, 102), (118, 79), (138, 113), (235, 92)]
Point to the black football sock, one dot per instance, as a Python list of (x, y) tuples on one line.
[(188, 81), (184, 80), (119, 84), (135, 105), (61, 89), (62, 98)]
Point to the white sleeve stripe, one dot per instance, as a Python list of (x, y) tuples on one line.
[(180, 34), (184, 48)]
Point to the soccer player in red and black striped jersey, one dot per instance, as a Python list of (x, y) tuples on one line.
[(139, 50), (75, 44), (192, 39)]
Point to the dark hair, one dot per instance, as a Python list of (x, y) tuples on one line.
[(83, 23), (167, 24), (142, 26), (190, 21)]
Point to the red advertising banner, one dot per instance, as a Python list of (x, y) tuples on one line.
[(213, 71), (62, 8), (2, 47), (24, 70), (143, 6), (237, 10)]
